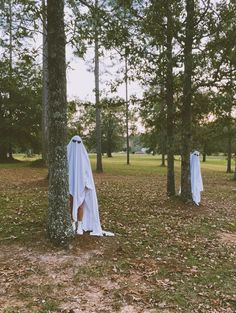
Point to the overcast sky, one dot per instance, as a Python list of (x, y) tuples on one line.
[(80, 81)]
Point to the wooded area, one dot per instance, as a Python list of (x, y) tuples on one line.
[(181, 54)]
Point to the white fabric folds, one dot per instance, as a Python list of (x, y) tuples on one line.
[(196, 177), (82, 187)]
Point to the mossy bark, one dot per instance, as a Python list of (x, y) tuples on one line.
[(59, 224)]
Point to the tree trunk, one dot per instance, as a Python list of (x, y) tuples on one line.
[(229, 154), (204, 152), (109, 151), (99, 168), (59, 223), (10, 71), (170, 104), (235, 168), (45, 88), (109, 138), (229, 148), (127, 109), (10, 153), (187, 99), (163, 160), (3, 153), (204, 157)]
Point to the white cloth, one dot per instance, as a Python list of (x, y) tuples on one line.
[(82, 187), (196, 177)]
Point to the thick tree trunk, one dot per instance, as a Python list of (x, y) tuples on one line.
[(45, 88), (187, 99), (170, 104), (59, 223), (99, 168)]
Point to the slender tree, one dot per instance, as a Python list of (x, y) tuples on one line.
[(127, 109), (230, 137), (235, 167), (88, 29), (17, 54), (170, 101), (59, 225), (45, 86), (99, 168)]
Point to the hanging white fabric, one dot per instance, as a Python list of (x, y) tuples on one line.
[(82, 187), (196, 177)]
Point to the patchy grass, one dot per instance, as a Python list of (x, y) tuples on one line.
[(166, 256)]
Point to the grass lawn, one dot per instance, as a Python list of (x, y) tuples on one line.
[(166, 256)]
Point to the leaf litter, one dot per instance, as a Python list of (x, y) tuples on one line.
[(166, 257)]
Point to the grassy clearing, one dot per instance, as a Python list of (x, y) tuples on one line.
[(148, 164), (166, 256)]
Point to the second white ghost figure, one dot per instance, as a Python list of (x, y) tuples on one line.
[(82, 187), (196, 177)]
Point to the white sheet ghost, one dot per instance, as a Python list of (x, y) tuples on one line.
[(82, 187), (196, 177)]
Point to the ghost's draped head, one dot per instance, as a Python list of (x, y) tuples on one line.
[(194, 158), (75, 147), (196, 153), (76, 140)]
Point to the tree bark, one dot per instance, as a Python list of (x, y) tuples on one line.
[(229, 154), (204, 157), (109, 137), (10, 72), (45, 88), (187, 99), (235, 168), (170, 104), (3, 153), (99, 168), (127, 109), (109, 151), (10, 153), (59, 224), (163, 160)]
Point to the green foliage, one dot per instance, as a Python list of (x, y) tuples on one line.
[(20, 79), (82, 121), (20, 106)]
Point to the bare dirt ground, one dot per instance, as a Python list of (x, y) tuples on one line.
[(228, 238)]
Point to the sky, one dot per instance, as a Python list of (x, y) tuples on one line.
[(80, 79)]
